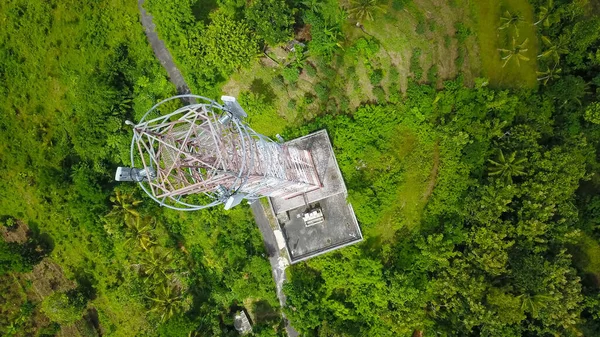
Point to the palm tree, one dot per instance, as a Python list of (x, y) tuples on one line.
[(507, 167), (516, 52), (509, 19), (533, 303), (168, 301), (365, 9), (549, 74), (554, 50), (155, 264), (123, 207), (545, 15), (140, 230)]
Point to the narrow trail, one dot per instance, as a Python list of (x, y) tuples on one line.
[(274, 258), (162, 53)]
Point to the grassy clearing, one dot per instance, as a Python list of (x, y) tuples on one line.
[(491, 38), (587, 258), (428, 25)]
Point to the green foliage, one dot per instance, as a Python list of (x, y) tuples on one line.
[(168, 302), (511, 21), (592, 113), (421, 27), (326, 33), (227, 43), (271, 19), (507, 167), (262, 114), (379, 94), (516, 52), (60, 309), (291, 74), (447, 250), (310, 70), (462, 32), (415, 64), (432, 74), (322, 91), (376, 76)]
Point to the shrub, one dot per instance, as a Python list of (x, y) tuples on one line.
[(344, 103), (322, 91), (376, 76), (393, 75), (291, 74), (460, 59), (310, 70), (271, 19), (462, 32), (432, 25), (592, 113), (291, 104), (421, 25), (415, 64), (309, 98), (365, 47), (400, 4), (379, 94), (432, 74), (60, 309), (228, 44)]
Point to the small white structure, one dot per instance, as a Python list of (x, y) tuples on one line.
[(241, 323), (313, 217)]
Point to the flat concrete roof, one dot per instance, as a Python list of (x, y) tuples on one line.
[(332, 182), (338, 229)]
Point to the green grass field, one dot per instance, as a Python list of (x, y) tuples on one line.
[(491, 39)]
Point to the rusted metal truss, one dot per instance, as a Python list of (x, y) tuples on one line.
[(206, 149)]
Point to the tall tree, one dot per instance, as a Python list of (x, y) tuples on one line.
[(271, 19), (228, 44), (511, 20), (507, 167), (365, 9), (516, 52)]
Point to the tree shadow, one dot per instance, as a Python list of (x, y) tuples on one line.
[(202, 8), (264, 312), (259, 86)]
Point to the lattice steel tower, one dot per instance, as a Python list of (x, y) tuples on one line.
[(203, 154)]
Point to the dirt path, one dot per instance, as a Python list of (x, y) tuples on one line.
[(162, 53)]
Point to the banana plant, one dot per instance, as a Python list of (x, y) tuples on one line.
[(516, 52)]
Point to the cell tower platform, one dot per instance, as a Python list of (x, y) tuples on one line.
[(203, 154), (318, 221)]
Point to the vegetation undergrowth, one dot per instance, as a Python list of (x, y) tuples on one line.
[(475, 184)]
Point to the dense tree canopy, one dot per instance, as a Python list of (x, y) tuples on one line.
[(477, 193)]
